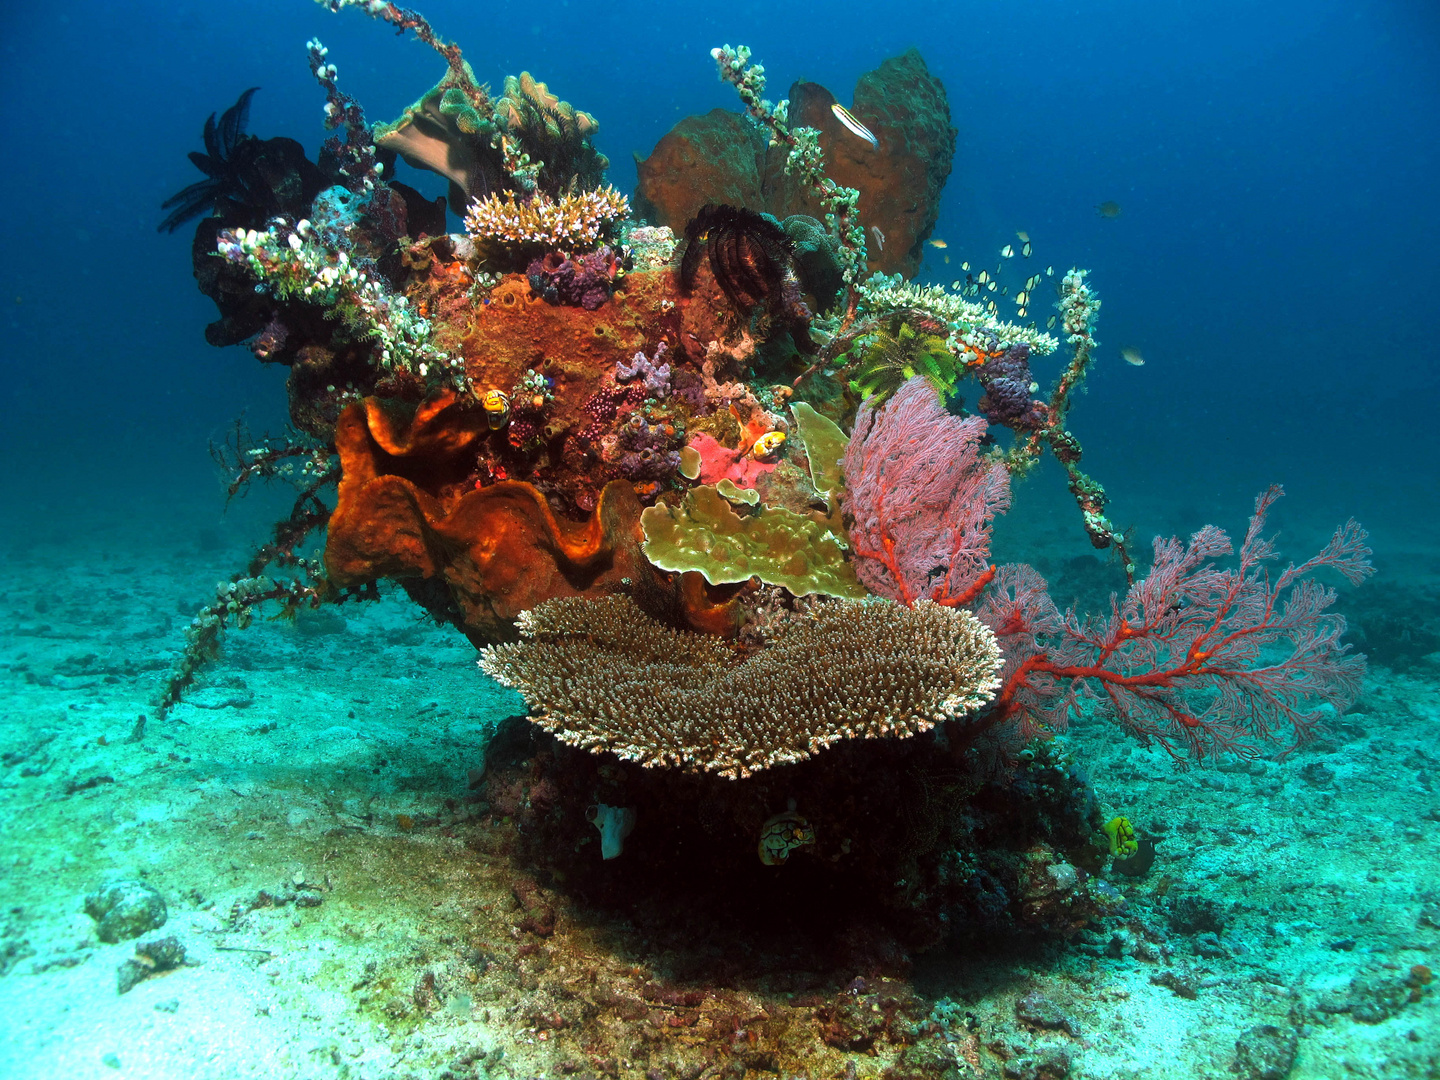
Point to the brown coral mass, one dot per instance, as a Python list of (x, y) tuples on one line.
[(500, 549), (417, 497), (723, 158), (577, 349)]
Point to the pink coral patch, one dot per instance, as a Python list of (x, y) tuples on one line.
[(719, 462)]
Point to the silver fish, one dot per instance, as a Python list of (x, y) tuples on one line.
[(854, 126)]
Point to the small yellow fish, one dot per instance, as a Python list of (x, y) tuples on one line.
[(1007, 252), (1132, 356), (767, 444), (984, 277), (954, 284), (1108, 209), (497, 408), (1020, 314), (965, 266), (1026, 249), (1049, 271), (1022, 236), (854, 126), (1050, 323), (990, 285), (1004, 290), (947, 260), (936, 242), (1022, 298)]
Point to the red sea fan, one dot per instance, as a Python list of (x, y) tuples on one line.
[(922, 499), (1201, 660)]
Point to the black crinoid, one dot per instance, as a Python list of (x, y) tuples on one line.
[(247, 180), (752, 260)]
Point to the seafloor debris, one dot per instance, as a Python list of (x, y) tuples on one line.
[(125, 909), (151, 958)]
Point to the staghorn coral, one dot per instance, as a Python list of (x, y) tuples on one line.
[(603, 676), (573, 223), (973, 330)]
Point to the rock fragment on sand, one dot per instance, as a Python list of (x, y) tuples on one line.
[(151, 958), (1266, 1052), (125, 909)]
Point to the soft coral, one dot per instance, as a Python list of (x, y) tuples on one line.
[(1202, 660)]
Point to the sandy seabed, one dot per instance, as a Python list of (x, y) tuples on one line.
[(330, 763)]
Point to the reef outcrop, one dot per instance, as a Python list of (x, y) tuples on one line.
[(707, 493), (722, 158)]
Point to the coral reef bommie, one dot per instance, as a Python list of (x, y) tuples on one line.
[(719, 511)]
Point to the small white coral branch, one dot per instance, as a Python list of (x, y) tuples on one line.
[(292, 263), (573, 223)]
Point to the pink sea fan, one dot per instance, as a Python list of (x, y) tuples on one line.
[(922, 499), (1201, 660)]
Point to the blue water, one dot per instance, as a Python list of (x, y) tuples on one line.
[(1274, 260), (1275, 166)]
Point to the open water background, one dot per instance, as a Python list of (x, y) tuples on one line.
[(1275, 259)]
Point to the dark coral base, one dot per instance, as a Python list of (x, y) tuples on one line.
[(911, 849)]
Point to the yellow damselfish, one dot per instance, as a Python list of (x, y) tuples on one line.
[(1121, 834), (768, 444)]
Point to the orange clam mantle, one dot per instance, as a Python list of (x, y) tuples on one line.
[(500, 549)]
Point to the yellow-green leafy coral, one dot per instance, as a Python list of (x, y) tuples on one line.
[(779, 546), (748, 496), (825, 445)]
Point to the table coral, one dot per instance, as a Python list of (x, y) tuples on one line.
[(602, 675)]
